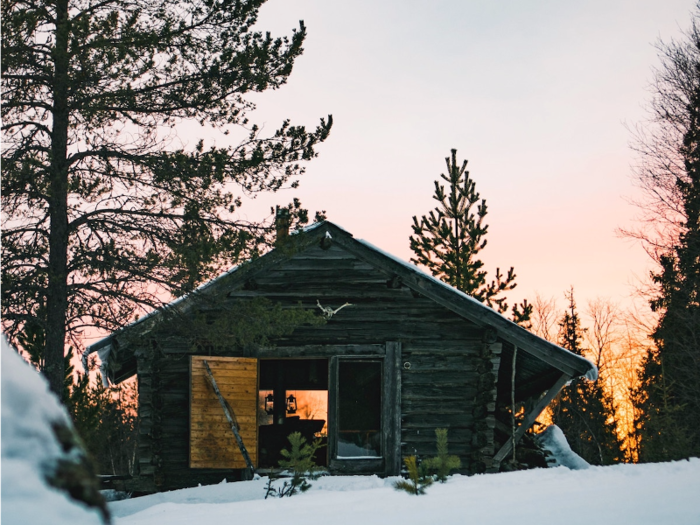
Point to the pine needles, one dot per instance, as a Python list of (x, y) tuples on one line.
[(418, 478), (443, 463), (422, 474), (300, 461)]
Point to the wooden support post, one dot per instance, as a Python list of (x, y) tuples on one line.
[(231, 417), (391, 409), (512, 401), (530, 419)]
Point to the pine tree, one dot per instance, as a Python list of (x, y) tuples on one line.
[(584, 410), (448, 240), (444, 463), (300, 459), (663, 433), (103, 215), (418, 478), (669, 394)]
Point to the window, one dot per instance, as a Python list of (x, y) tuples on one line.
[(359, 409)]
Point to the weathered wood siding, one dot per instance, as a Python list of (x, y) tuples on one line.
[(441, 351), (448, 365)]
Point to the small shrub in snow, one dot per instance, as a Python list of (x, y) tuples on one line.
[(418, 478), (443, 463), (299, 460)]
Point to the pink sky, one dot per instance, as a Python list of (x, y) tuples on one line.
[(536, 95)]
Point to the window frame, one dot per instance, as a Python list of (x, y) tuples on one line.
[(390, 460), (336, 438)]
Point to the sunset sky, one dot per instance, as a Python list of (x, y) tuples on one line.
[(539, 96)]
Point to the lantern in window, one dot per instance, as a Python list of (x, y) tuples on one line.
[(291, 404), (269, 404)]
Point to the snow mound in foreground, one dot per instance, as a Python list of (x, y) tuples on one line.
[(38, 445), (554, 440)]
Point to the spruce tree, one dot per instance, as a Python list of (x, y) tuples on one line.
[(584, 410), (104, 418), (667, 399), (669, 393), (662, 431), (448, 240)]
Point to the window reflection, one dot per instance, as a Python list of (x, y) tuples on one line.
[(359, 408)]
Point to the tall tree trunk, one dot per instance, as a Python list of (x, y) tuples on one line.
[(57, 292)]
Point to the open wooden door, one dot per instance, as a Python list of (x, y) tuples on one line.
[(212, 443)]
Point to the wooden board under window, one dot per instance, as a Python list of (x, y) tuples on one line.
[(212, 443)]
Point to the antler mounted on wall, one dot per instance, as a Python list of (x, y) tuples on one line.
[(328, 312)]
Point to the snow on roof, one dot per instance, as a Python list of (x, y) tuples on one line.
[(591, 373), (420, 272), (95, 347)]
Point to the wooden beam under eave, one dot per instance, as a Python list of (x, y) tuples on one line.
[(529, 420)]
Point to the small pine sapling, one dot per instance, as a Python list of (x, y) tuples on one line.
[(300, 461), (270, 489), (443, 463), (418, 479)]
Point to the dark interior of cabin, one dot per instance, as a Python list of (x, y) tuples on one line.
[(293, 397), (359, 408)]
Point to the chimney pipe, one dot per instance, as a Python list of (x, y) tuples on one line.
[(282, 223)]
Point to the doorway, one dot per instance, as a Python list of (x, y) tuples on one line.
[(292, 397)]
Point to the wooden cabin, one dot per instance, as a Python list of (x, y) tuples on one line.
[(406, 355)]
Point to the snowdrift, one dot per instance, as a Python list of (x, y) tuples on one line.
[(651, 494), (40, 452), (554, 441)]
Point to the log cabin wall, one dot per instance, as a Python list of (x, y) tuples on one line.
[(449, 366)]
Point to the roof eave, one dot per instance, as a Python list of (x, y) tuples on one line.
[(468, 307), (411, 276)]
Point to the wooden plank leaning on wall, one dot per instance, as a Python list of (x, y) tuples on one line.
[(212, 444)]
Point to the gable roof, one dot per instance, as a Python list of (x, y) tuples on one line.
[(409, 275)]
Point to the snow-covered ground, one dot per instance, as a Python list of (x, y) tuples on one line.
[(658, 494), (664, 493)]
